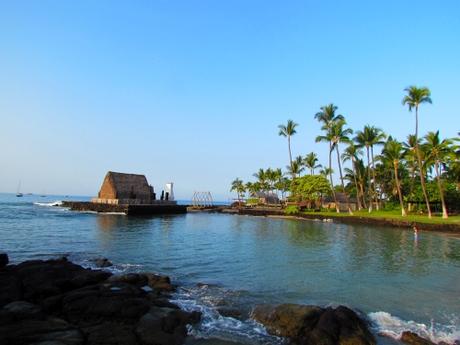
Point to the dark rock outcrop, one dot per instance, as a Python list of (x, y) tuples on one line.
[(58, 302), (305, 324), (3, 260), (102, 262), (411, 338)]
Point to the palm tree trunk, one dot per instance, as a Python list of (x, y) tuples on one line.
[(376, 198), (290, 155), (403, 211), (330, 178), (441, 192), (420, 166), (341, 179), (361, 186), (356, 182), (369, 188), (411, 186)]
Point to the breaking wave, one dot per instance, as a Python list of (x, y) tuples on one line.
[(392, 326), (49, 204), (214, 325)]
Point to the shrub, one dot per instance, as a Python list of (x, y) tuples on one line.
[(291, 209)]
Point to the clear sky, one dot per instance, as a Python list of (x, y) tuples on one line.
[(193, 91)]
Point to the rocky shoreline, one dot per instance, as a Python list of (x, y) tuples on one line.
[(57, 302)]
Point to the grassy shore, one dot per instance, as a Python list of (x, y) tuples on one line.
[(394, 215)]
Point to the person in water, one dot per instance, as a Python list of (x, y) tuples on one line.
[(415, 229)]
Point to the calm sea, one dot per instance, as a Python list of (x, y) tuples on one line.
[(400, 281)]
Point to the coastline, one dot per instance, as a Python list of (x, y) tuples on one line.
[(360, 220)]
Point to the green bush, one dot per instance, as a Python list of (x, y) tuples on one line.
[(252, 201), (291, 209)]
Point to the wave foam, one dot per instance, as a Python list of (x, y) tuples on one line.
[(392, 326), (49, 204), (214, 325)]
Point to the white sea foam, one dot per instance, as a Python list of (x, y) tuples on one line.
[(393, 327), (49, 204), (214, 325), (113, 213)]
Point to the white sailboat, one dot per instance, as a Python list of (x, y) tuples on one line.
[(18, 193)]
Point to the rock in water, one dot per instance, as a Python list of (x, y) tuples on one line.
[(102, 262), (411, 338), (307, 324), (3, 260)]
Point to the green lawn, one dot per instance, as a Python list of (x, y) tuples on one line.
[(437, 219)]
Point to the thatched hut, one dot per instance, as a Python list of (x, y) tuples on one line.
[(129, 189)]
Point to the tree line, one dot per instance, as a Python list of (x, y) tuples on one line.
[(415, 173)]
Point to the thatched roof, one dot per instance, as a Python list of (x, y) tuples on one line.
[(125, 186)]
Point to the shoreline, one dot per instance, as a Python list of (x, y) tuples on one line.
[(348, 219)]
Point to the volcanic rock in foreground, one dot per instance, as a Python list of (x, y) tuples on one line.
[(308, 325), (61, 303)]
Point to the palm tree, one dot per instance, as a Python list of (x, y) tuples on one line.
[(439, 151), (261, 177), (351, 153), (327, 116), (411, 161), (288, 131), (310, 161), (296, 167), (367, 138), (414, 98), (239, 188), (393, 153), (340, 135), (328, 138), (378, 137)]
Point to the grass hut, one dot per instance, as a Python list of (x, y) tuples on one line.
[(125, 189)]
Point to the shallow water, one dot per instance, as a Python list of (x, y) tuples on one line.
[(400, 282)]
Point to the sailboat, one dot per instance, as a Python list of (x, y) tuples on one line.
[(19, 194)]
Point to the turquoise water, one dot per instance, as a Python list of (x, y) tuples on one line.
[(399, 281)]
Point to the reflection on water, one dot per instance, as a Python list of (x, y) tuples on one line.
[(275, 260)]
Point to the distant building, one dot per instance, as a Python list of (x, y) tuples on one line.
[(126, 189), (267, 197), (328, 202)]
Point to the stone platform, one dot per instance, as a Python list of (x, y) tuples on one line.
[(145, 209)]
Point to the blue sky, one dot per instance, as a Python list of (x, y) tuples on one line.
[(193, 91)]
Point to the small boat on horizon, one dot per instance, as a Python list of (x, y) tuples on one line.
[(18, 193)]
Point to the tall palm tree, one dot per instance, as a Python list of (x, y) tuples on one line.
[(239, 188), (439, 151), (310, 161), (393, 153), (327, 116), (328, 138), (414, 98), (341, 135), (351, 153), (411, 161), (288, 131), (368, 138), (363, 139), (378, 137)]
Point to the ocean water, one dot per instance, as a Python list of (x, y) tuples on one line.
[(399, 281)]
